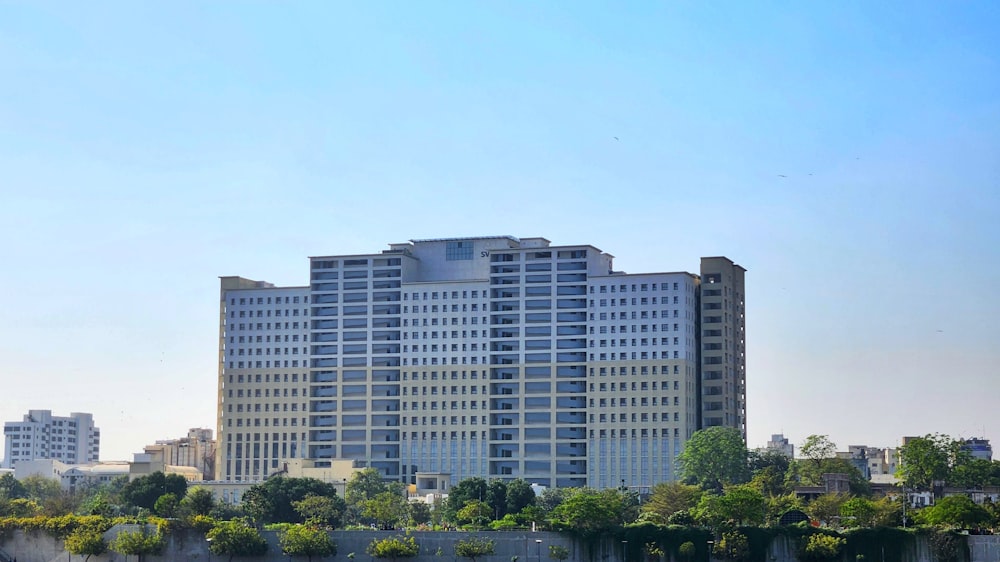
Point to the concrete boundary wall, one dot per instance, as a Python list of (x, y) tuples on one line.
[(187, 545)]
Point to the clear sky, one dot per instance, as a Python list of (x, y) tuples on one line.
[(846, 153)]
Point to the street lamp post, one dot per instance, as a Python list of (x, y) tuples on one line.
[(624, 551), (538, 549), (209, 541), (711, 545)]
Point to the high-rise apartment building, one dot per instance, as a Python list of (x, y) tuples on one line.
[(489, 356), (40, 435)]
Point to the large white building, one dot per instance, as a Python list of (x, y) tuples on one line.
[(40, 435), (490, 356)]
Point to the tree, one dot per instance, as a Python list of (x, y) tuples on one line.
[(713, 458), (972, 473), (86, 542), (144, 491), (558, 552), (826, 508), (420, 513), (954, 511), (198, 501), (393, 548), (667, 498), (308, 541), (780, 505), (166, 505), (588, 511), (474, 513), (11, 488), (818, 448), (496, 497), (550, 498), (321, 511), (468, 489), (236, 538), (474, 547), (519, 495), (364, 485), (860, 512), (40, 488), (923, 460), (138, 543), (387, 509), (271, 501), (743, 505)]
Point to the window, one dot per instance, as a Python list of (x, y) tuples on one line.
[(458, 250)]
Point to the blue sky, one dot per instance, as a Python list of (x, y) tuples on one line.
[(146, 150)]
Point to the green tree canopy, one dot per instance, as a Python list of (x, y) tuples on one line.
[(714, 458), (519, 495), (271, 501), (364, 485), (954, 511), (923, 460), (322, 511), (743, 505), (235, 538), (198, 501), (166, 505), (144, 491), (588, 511), (420, 513), (308, 541), (826, 508), (474, 512), (387, 509), (667, 498), (11, 488), (496, 497), (818, 448), (468, 489)]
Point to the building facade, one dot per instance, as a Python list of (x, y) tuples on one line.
[(196, 450), (40, 435), (490, 356)]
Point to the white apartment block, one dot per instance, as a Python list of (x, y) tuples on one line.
[(490, 356), (40, 435)]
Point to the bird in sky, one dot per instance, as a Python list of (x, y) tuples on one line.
[(616, 138), (782, 176)]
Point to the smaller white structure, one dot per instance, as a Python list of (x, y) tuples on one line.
[(72, 476)]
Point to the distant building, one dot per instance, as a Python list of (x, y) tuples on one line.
[(978, 448), (72, 477), (196, 450), (40, 435), (492, 356), (779, 443), (873, 463)]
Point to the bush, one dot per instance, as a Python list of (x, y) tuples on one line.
[(474, 547), (393, 548), (821, 547), (236, 538)]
